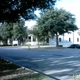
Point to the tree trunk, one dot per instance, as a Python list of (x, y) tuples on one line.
[(47, 41), (38, 43), (5, 42), (10, 41), (57, 43)]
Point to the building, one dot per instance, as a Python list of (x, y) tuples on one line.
[(67, 39), (31, 40)]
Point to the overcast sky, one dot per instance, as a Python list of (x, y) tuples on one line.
[(72, 6)]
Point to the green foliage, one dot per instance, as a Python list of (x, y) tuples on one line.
[(55, 22), (12, 10), (13, 31), (6, 31), (18, 30)]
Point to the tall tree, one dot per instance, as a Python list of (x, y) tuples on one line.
[(56, 22), (19, 31), (6, 32), (11, 10), (13, 31)]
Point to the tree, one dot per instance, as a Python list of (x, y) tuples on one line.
[(12, 10), (35, 33), (56, 22), (6, 32), (19, 31), (12, 31)]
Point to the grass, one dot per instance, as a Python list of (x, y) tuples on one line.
[(32, 77), (10, 71)]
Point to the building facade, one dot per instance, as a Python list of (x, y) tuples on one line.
[(67, 39)]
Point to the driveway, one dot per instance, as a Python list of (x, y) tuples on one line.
[(59, 64)]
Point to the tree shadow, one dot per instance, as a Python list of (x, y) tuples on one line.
[(57, 64)]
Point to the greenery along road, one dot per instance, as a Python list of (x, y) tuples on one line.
[(11, 11), (13, 31), (53, 22)]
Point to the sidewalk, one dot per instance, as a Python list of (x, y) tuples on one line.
[(41, 47), (29, 47), (36, 47)]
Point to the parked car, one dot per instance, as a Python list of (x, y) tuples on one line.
[(74, 46)]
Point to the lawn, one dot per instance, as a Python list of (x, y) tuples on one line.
[(10, 71)]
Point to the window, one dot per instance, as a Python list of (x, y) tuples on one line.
[(59, 39), (29, 38), (77, 39), (69, 39)]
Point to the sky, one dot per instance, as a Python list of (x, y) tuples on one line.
[(69, 5)]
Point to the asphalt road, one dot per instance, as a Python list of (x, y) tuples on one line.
[(59, 64)]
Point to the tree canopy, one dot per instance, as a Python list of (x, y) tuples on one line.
[(18, 30), (11, 10), (12, 31), (6, 31), (56, 22)]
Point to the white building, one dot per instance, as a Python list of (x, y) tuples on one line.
[(67, 39), (31, 40)]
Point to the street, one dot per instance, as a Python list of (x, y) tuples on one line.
[(59, 64)]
